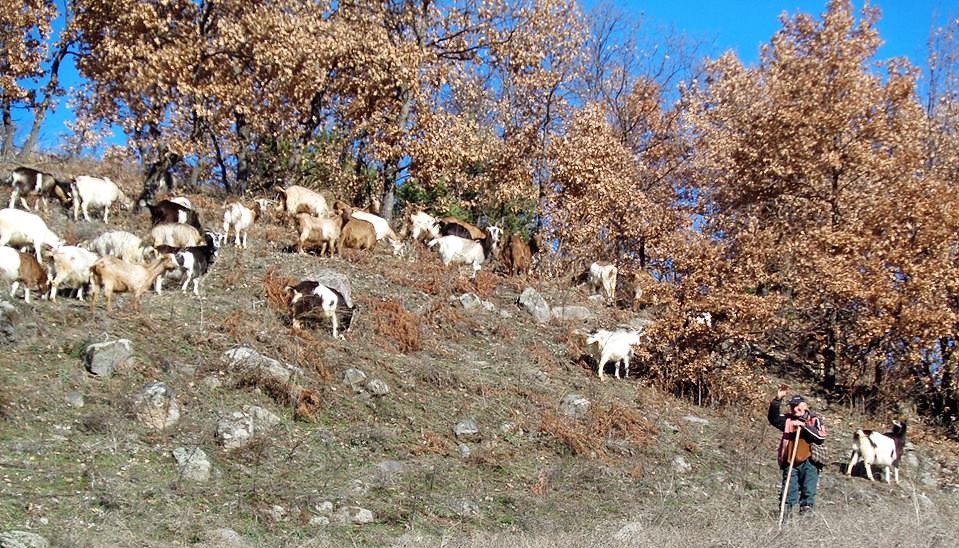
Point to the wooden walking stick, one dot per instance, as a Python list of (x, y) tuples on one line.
[(789, 473)]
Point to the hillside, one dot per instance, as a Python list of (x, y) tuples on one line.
[(640, 468)]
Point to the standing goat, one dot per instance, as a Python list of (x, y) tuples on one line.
[(878, 449), (19, 268), (112, 275), (602, 276), (240, 218), (615, 346), (19, 228), (95, 192)]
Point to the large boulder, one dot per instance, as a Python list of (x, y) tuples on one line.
[(103, 359), (534, 303)]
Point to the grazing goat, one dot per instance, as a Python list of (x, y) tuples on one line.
[(27, 181), (176, 235), (616, 346), (356, 234), (602, 276), (118, 243), (168, 211), (518, 254), (22, 268), (72, 267), (90, 192), (308, 296), (878, 449), (240, 218), (297, 199), (457, 250), (19, 228), (424, 226), (322, 232), (112, 275), (382, 228)]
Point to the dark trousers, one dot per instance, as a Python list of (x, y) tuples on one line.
[(802, 484)]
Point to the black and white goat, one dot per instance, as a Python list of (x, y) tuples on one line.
[(192, 262), (878, 449), (168, 211), (308, 297)]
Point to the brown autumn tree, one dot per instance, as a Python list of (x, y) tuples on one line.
[(804, 164)]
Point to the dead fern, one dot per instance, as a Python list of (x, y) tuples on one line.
[(393, 322)]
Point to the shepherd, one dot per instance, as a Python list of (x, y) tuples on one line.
[(801, 430)]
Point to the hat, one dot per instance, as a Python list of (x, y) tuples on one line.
[(796, 400)]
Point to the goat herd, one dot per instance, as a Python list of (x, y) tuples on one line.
[(178, 249)]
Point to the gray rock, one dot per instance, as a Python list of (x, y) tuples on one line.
[(469, 301), (234, 430), (696, 420), (324, 508), (354, 378), (193, 463), (103, 359), (680, 464), (262, 419), (574, 405), (911, 460), (347, 515), (276, 513), (466, 429), (246, 361), (465, 508), (464, 450), (22, 539), (155, 406), (573, 313), (378, 387), (75, 399), (534, 303), (319, 521)]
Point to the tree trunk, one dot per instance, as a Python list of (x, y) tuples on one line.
[(831, 354), (9, 129), (40, 112), (157, 174), (242, 154), (391, 171)]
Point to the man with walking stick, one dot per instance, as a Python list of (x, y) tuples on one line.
[(800, 429)]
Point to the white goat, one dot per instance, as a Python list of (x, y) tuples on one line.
[(878, 449), (457, 250), (424, 226), (297, 199), (602, 275), (241, 218), (72, 267), (21, 268), (382, 227), (19, 228), (95, 192), (616, 346), (118, 243)]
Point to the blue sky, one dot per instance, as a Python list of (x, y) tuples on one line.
[(744, 25), (741, 25)]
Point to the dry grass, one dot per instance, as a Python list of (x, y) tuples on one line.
[(395, 323), (587, 437)]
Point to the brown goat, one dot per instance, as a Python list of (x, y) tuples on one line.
[(357, 234), (113, 275), (518, 255), (23, 269)]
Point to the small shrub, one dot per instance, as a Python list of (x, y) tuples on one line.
[(274, 285), (397, 324), (587, 437)]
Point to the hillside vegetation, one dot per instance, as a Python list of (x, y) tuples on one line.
[(640, 468)]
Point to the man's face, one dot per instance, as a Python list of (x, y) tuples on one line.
[(800, 409)]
